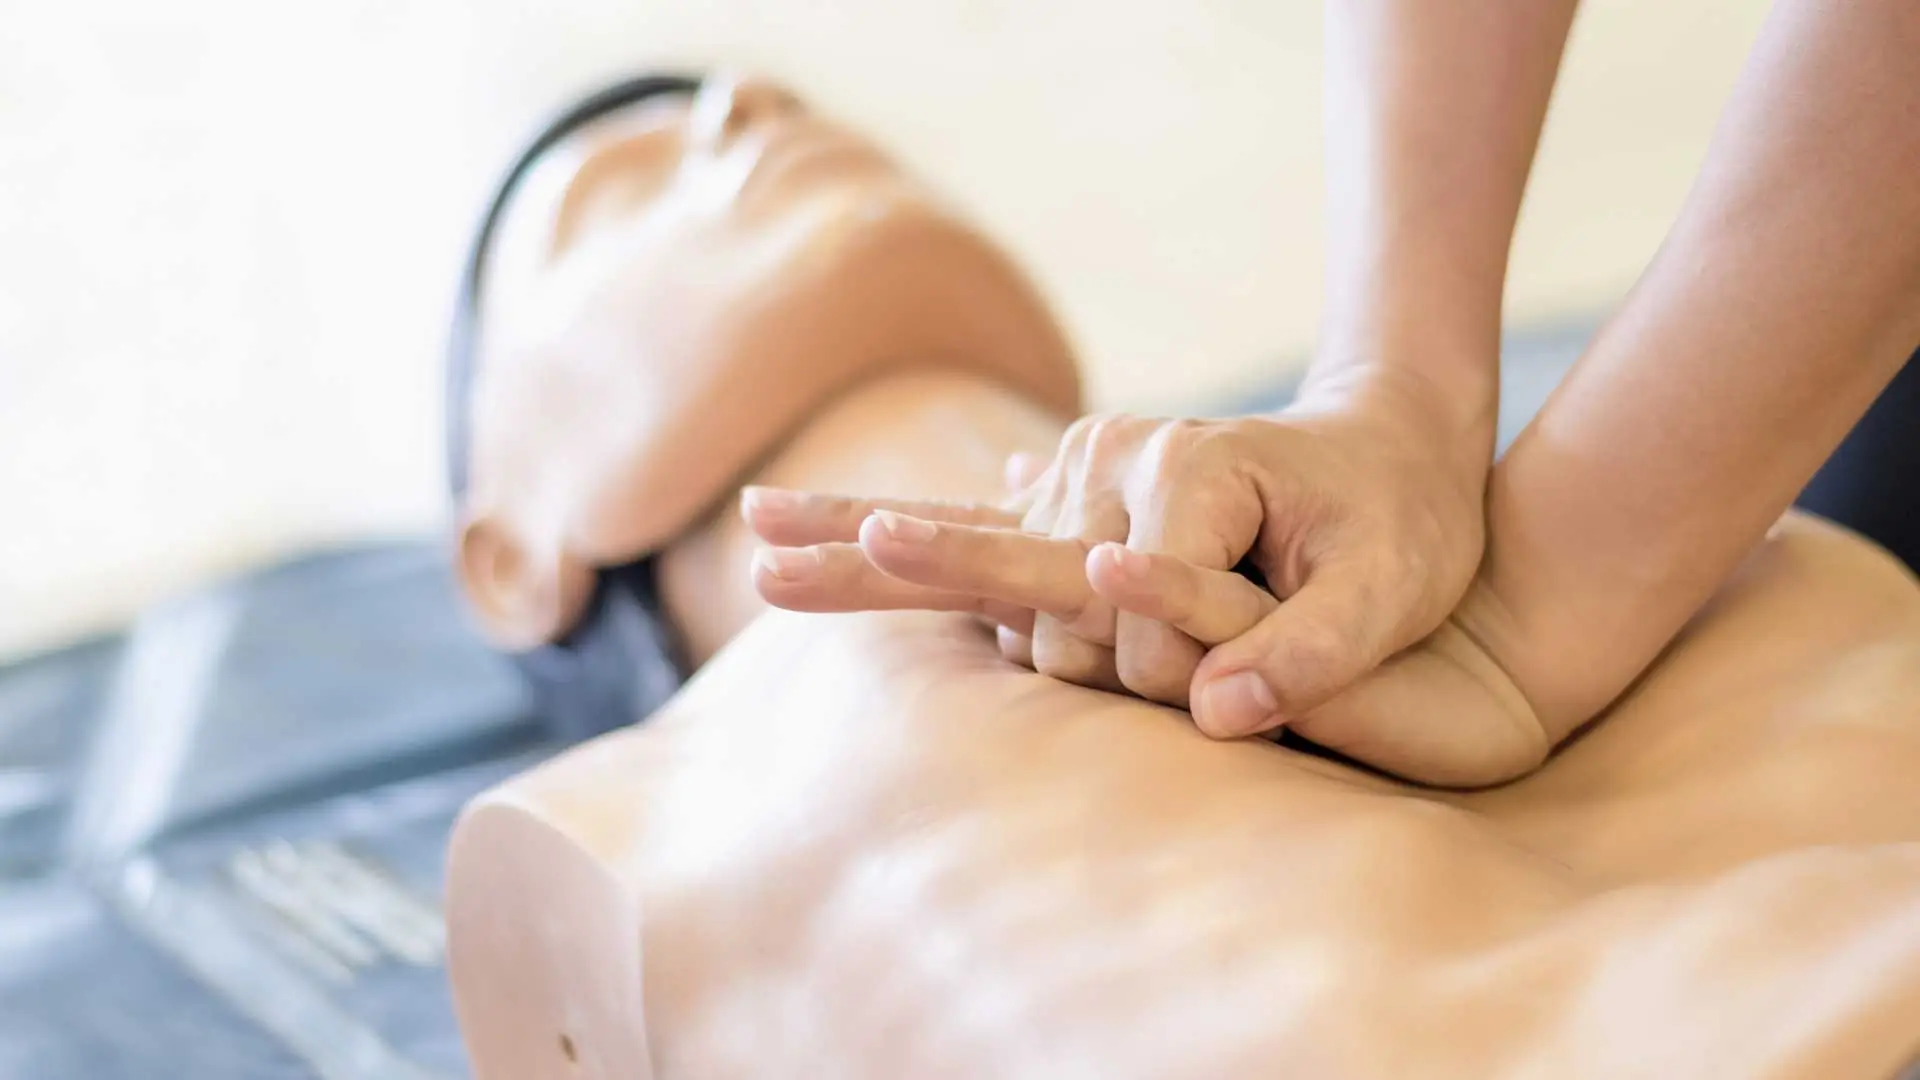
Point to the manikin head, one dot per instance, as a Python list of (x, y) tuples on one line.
[(669, 288)]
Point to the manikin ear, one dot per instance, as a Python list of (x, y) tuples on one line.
[(524, 600)]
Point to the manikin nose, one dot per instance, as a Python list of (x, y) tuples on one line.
[(730, 104)]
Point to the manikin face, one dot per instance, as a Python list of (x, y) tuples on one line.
[(659, 283), (719, 196)]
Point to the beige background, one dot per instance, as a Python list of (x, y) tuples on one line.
[(228, 231)]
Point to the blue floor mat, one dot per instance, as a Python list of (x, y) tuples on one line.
[(194, 814)]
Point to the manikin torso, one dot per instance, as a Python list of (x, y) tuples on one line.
[(865, 847)]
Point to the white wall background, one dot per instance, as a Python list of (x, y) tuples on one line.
[(229, 230)]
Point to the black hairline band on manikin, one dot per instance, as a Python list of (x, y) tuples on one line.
[(621, 660)]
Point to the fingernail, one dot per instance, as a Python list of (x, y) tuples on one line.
[(1237, 704), (788, 564), (761, 498), (905, 529), (1127, 561)]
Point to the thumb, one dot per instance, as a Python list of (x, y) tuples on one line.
[(1314, 645), (1444, 713)]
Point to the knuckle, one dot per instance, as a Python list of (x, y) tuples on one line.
[(1108, 436), (1165, 691), (1015, 647), (1171, 445), (1061, 655), (1079, 432), (1209, 438), (1221, 444), (1046, 500), (1181, 448), (1090, 513), (1154, 673), (1070, 670), (1182, 436)]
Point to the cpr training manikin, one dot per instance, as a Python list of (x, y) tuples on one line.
[(865, 845)]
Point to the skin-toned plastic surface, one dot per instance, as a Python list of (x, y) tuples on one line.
[(659, 280), (868, 846)]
